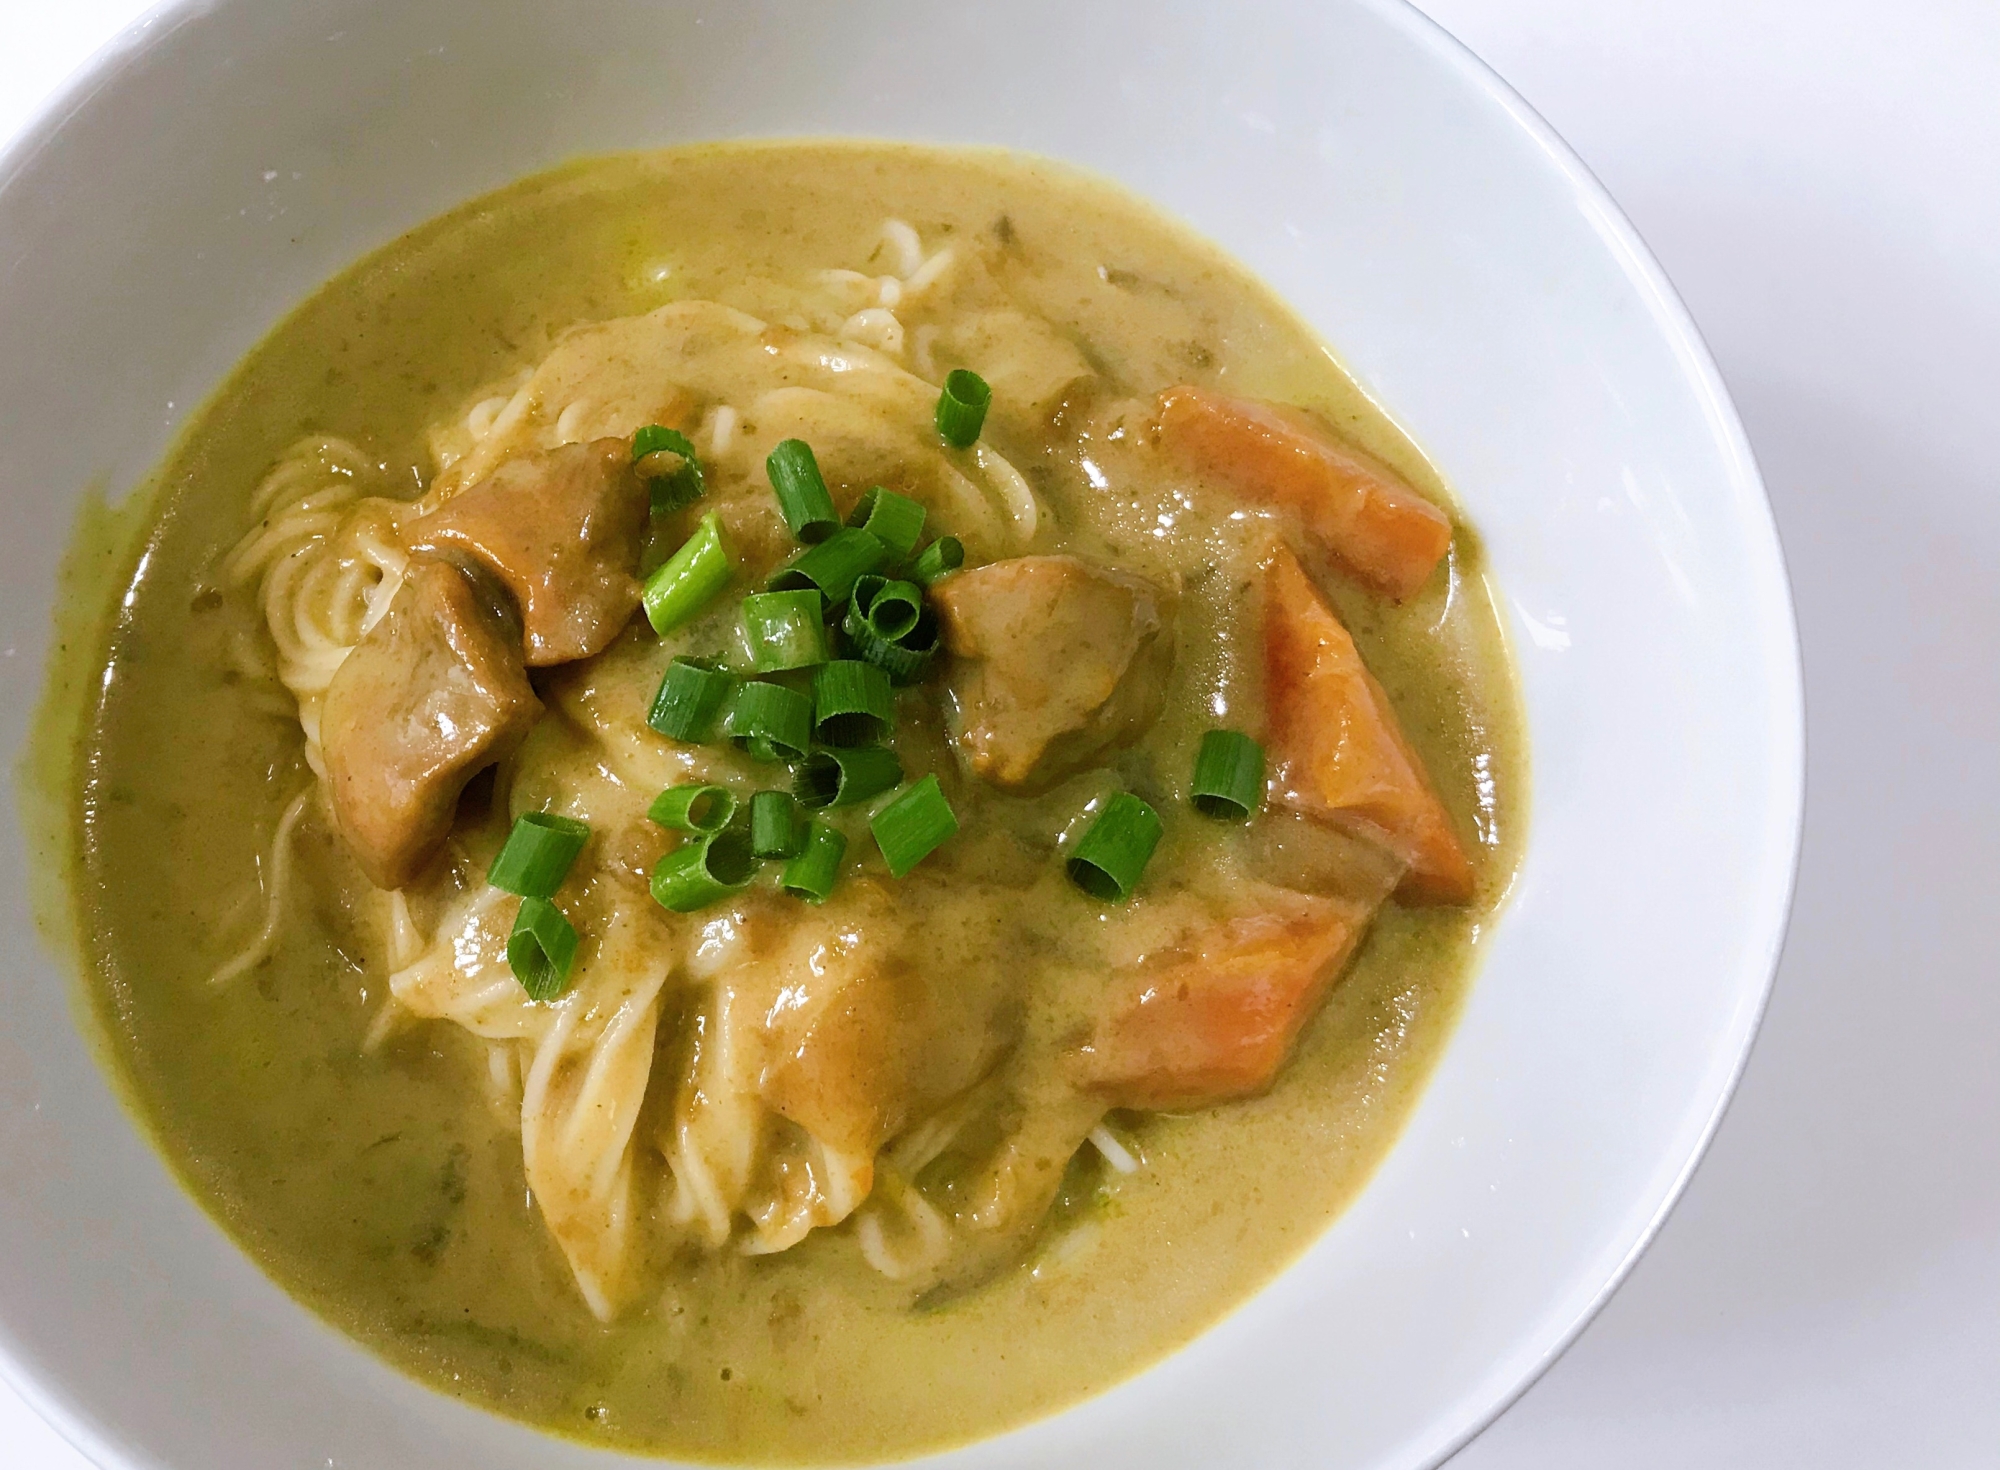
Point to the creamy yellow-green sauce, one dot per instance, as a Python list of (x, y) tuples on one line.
[(382, 1189)]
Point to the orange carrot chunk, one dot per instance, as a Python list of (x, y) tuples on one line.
[(1336, 747), (1380, 530), (1218, 1022)]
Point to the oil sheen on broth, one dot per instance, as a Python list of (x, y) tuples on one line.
[(367, 1148)]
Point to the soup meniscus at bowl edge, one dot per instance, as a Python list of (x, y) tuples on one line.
[(789, 801)]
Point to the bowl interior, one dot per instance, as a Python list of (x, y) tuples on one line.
[(226, 158)]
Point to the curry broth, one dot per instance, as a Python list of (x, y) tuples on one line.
[(381, 1187)]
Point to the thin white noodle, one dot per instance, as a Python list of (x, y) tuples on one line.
[(503, 1078), (265, 941), (931, 1231), (904, 241), (923, 351), (877, 327), (541, 1074), (569, 420), (406, 942), (1020, 501), (926, 275), (723, 434), (1115, 1153), (696, 1192), (604, 1059), (479, 422), (517, 409)]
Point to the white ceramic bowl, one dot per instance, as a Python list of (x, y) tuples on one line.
[(224, 158)]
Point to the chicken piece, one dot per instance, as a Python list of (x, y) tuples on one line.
[(1217, 1019), (1056, 661), (862, 1041), (1335, 744), (562, 530), (1379, 529), (434, 693)]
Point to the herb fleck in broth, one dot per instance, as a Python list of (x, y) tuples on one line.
[(379, 1174)]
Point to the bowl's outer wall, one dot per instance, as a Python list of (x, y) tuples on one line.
[(211, 170)]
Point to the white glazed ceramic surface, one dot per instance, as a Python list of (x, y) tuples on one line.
[(225, 158)]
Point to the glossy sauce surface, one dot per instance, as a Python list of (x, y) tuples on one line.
[(385, 1189)]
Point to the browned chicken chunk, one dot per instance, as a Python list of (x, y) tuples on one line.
[(434, 693), (1055, 661), (862, 1040), (562, 529)]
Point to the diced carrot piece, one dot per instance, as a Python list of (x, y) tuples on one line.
[(1335, 743), (1357, 508), (1219, 1022)]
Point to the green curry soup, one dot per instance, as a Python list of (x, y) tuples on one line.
[(773, 1180)]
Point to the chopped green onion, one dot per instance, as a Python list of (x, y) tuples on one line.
[(842, 777), (688, 580), (777, 829), (889, 627), (769, 721), (853, 703), (675, 486), (832, 566), (785, 630), (941, 557), (691, 696), (961, 408), (802, 498), (1110, 856), (811, 875), (913, 826), (541, 949), (903, 665), (696, 874), (1228, 775), (537, 854), (697, 808), (891, 609), (895, 520)]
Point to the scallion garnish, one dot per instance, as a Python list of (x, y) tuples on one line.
[(942, 557), (541, 949), (913, 825), (697, 874), (537, 854), (853, 703), (769, 721), (961, 408), (694, 808), (812, 874), (666, 460), (784, 630), (890, 609), (1110, 856), (842, 777), (691, 695), (801, 491), (777, 828), (832, 566), (686, 581), (895, 520), (888, 626), (1228, 776)]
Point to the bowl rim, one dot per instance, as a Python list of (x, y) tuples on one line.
[(1671, 316), (105, 66)]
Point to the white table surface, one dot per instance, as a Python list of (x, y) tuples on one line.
[(1822, 180)]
